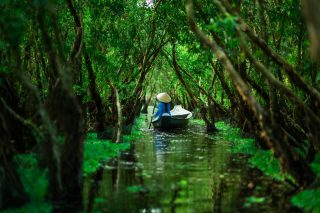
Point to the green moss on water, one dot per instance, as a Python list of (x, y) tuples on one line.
[(96, 152), (308, 200), (263, 160), (260, 159), (198, 121), (268, 164), (223, 126), (136, 130), (135, 188), (253, 200)]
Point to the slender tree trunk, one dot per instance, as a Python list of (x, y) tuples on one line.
[(209, 123), (311, 13), (101, 115), (289, 159), (64, 157), (12, 192), (225, 87), (116, 113), (293, 75)]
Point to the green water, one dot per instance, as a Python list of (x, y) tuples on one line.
[(181, 171)]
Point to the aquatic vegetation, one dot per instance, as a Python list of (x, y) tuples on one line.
[(135, 189), (136, 132), (183, 183), (181, 192), (197, 121), (253, 200), (97, 151), (221, 125), (260, 159), (268, 164), (308, 200), (57, 82), (35, 183), (263, 160), (28, 169), (99, 200)]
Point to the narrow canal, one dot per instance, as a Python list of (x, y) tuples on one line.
[(182, 171)]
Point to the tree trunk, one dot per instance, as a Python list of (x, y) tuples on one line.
[(209, 123), (65, 137), (101, 115), (117, 114), (290, 160), (12, 193)]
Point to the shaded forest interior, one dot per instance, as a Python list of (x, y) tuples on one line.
[(72, 67)]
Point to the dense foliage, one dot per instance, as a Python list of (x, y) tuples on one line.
[(68, 67)]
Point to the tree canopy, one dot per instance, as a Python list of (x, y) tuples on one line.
[(73, 66)]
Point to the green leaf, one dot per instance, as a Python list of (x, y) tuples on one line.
[(308, 200), (135, 188)]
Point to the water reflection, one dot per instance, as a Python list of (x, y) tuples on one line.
[(93, 188), (173, 171), (161, 142), (161, 149)]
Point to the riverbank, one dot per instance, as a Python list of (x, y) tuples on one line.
[(280, 183)]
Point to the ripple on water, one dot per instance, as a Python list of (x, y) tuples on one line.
[(176, 171)]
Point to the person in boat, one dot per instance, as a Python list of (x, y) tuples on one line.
[(164, 104)]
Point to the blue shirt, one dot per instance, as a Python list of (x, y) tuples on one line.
[(162, 108)]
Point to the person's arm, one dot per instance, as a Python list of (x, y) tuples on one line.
[(157, 114), (159, 110)]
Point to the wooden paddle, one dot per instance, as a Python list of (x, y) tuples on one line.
[(154, 107)]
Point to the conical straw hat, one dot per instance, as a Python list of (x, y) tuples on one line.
[(163, 97)]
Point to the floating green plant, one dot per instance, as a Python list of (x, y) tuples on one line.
[(308, 200), (35, 187), (96, 151)]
